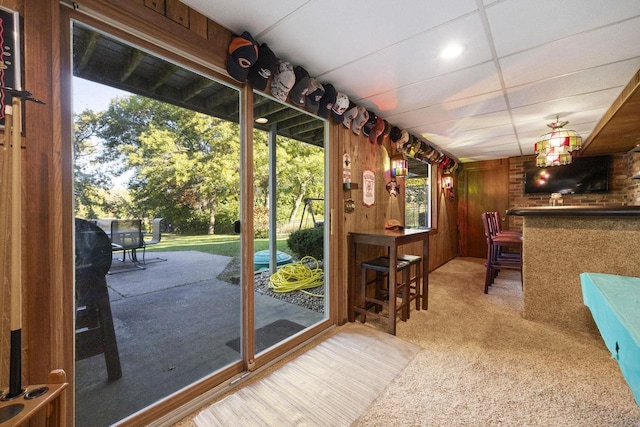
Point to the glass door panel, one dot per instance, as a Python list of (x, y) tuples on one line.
[(157, 193), (289, 212)]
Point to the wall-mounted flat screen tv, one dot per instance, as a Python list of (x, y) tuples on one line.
[(582, 176)]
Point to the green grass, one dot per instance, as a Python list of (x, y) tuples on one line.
[(227, 245)]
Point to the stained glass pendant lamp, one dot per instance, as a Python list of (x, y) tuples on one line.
[(554, 148)]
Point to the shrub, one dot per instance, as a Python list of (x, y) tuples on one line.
[(308, 242)]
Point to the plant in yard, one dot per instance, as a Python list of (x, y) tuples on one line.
[(307, 242)]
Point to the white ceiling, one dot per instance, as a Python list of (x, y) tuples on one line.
[(525, 61)]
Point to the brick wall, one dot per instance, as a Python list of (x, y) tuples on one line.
[(623, 190)]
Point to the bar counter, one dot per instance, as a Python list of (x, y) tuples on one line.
[(559, 243)]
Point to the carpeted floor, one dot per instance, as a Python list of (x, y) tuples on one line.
[(482, 364)]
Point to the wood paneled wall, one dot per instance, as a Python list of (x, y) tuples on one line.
[(365, 155), (47, 186)]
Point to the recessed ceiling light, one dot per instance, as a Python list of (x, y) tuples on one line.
[(262, 120), (451, 51)]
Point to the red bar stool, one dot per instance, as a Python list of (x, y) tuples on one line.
[(497, 257)]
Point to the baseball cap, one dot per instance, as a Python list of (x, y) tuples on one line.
[(264, 68), (395, 133), (360, 120), (327, 100), (314, 95), (339, 107), (393, 224), (283, 80), (404, 137), (385, 132), (376, 130), (373, 119), (299, 91), (242, 54), (349, 115)]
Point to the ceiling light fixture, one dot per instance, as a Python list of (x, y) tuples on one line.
[(262, 120), (452, 51), (554, 148)]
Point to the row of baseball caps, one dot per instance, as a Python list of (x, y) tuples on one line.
[(246, 60)]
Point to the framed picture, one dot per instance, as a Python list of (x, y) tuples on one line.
[(10, 55)]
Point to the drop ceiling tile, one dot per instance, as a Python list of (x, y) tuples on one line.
[(462, 84), (517, 25), (615, 75), (486, 135), (538, 127), (413, 60), (583, 51), (477, 105), (324, 35), (565, 108), (465, 124), (245, 15), (459, 143)]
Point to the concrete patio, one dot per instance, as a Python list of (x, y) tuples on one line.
[(175, 323)]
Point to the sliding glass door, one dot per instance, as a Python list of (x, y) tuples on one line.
[(157, 193), (289, 217)]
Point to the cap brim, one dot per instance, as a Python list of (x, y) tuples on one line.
[(257, 81)]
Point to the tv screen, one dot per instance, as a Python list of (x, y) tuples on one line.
[(583, 175)]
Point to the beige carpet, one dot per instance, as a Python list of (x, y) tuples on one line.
[(481, 364), (331, 384)]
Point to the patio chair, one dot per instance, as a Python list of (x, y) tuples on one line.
[(95, 333), (126, 235), (156, 236)]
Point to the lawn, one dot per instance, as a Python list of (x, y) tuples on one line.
[(227, 245)]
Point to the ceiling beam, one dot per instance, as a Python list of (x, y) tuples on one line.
[(134, 60)]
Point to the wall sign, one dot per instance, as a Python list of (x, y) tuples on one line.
[(9, 56), (369, 187), (346, 168)]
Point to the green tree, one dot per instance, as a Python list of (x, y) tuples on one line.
[(184, 164), (90, 180)]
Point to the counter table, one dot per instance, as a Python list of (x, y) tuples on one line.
[(561, 242)]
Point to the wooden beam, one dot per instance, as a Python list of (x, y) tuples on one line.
[(165, 74), (195, 87), (134, 60), (91, 44)]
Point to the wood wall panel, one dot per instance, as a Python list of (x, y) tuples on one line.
[(157, 5), (178, 12), (484, 186), (198, 23), (443, 241)]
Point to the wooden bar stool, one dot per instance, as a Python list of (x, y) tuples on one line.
[(380, 305), (414, 275)]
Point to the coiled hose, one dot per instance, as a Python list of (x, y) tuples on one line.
[(298, 276)]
